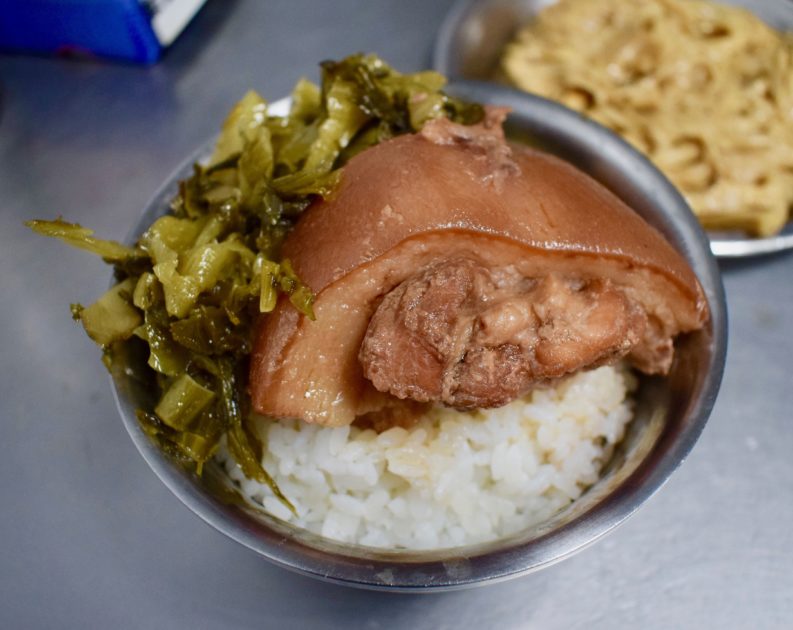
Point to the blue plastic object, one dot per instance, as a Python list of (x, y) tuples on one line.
[(120, 29)]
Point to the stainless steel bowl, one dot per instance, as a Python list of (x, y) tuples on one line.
[(670, 415), (474, 33)]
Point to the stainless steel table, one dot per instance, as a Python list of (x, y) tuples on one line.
[(89, 538)]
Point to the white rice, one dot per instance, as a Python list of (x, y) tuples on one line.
[(452, 479)]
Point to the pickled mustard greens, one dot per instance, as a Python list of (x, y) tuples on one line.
[(193, 285)]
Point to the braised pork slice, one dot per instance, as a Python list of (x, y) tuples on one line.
[(452, 267)]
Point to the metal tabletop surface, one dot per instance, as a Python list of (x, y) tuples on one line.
[(89, 538)]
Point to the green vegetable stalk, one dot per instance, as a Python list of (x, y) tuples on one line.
[(195, 282)]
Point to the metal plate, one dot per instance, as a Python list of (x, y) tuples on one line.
[(474, 33)]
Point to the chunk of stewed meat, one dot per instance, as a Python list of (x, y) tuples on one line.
[(469, 336)]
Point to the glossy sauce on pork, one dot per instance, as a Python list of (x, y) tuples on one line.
[(452, 267)]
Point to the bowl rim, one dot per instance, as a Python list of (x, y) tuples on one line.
[(457, 568)]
